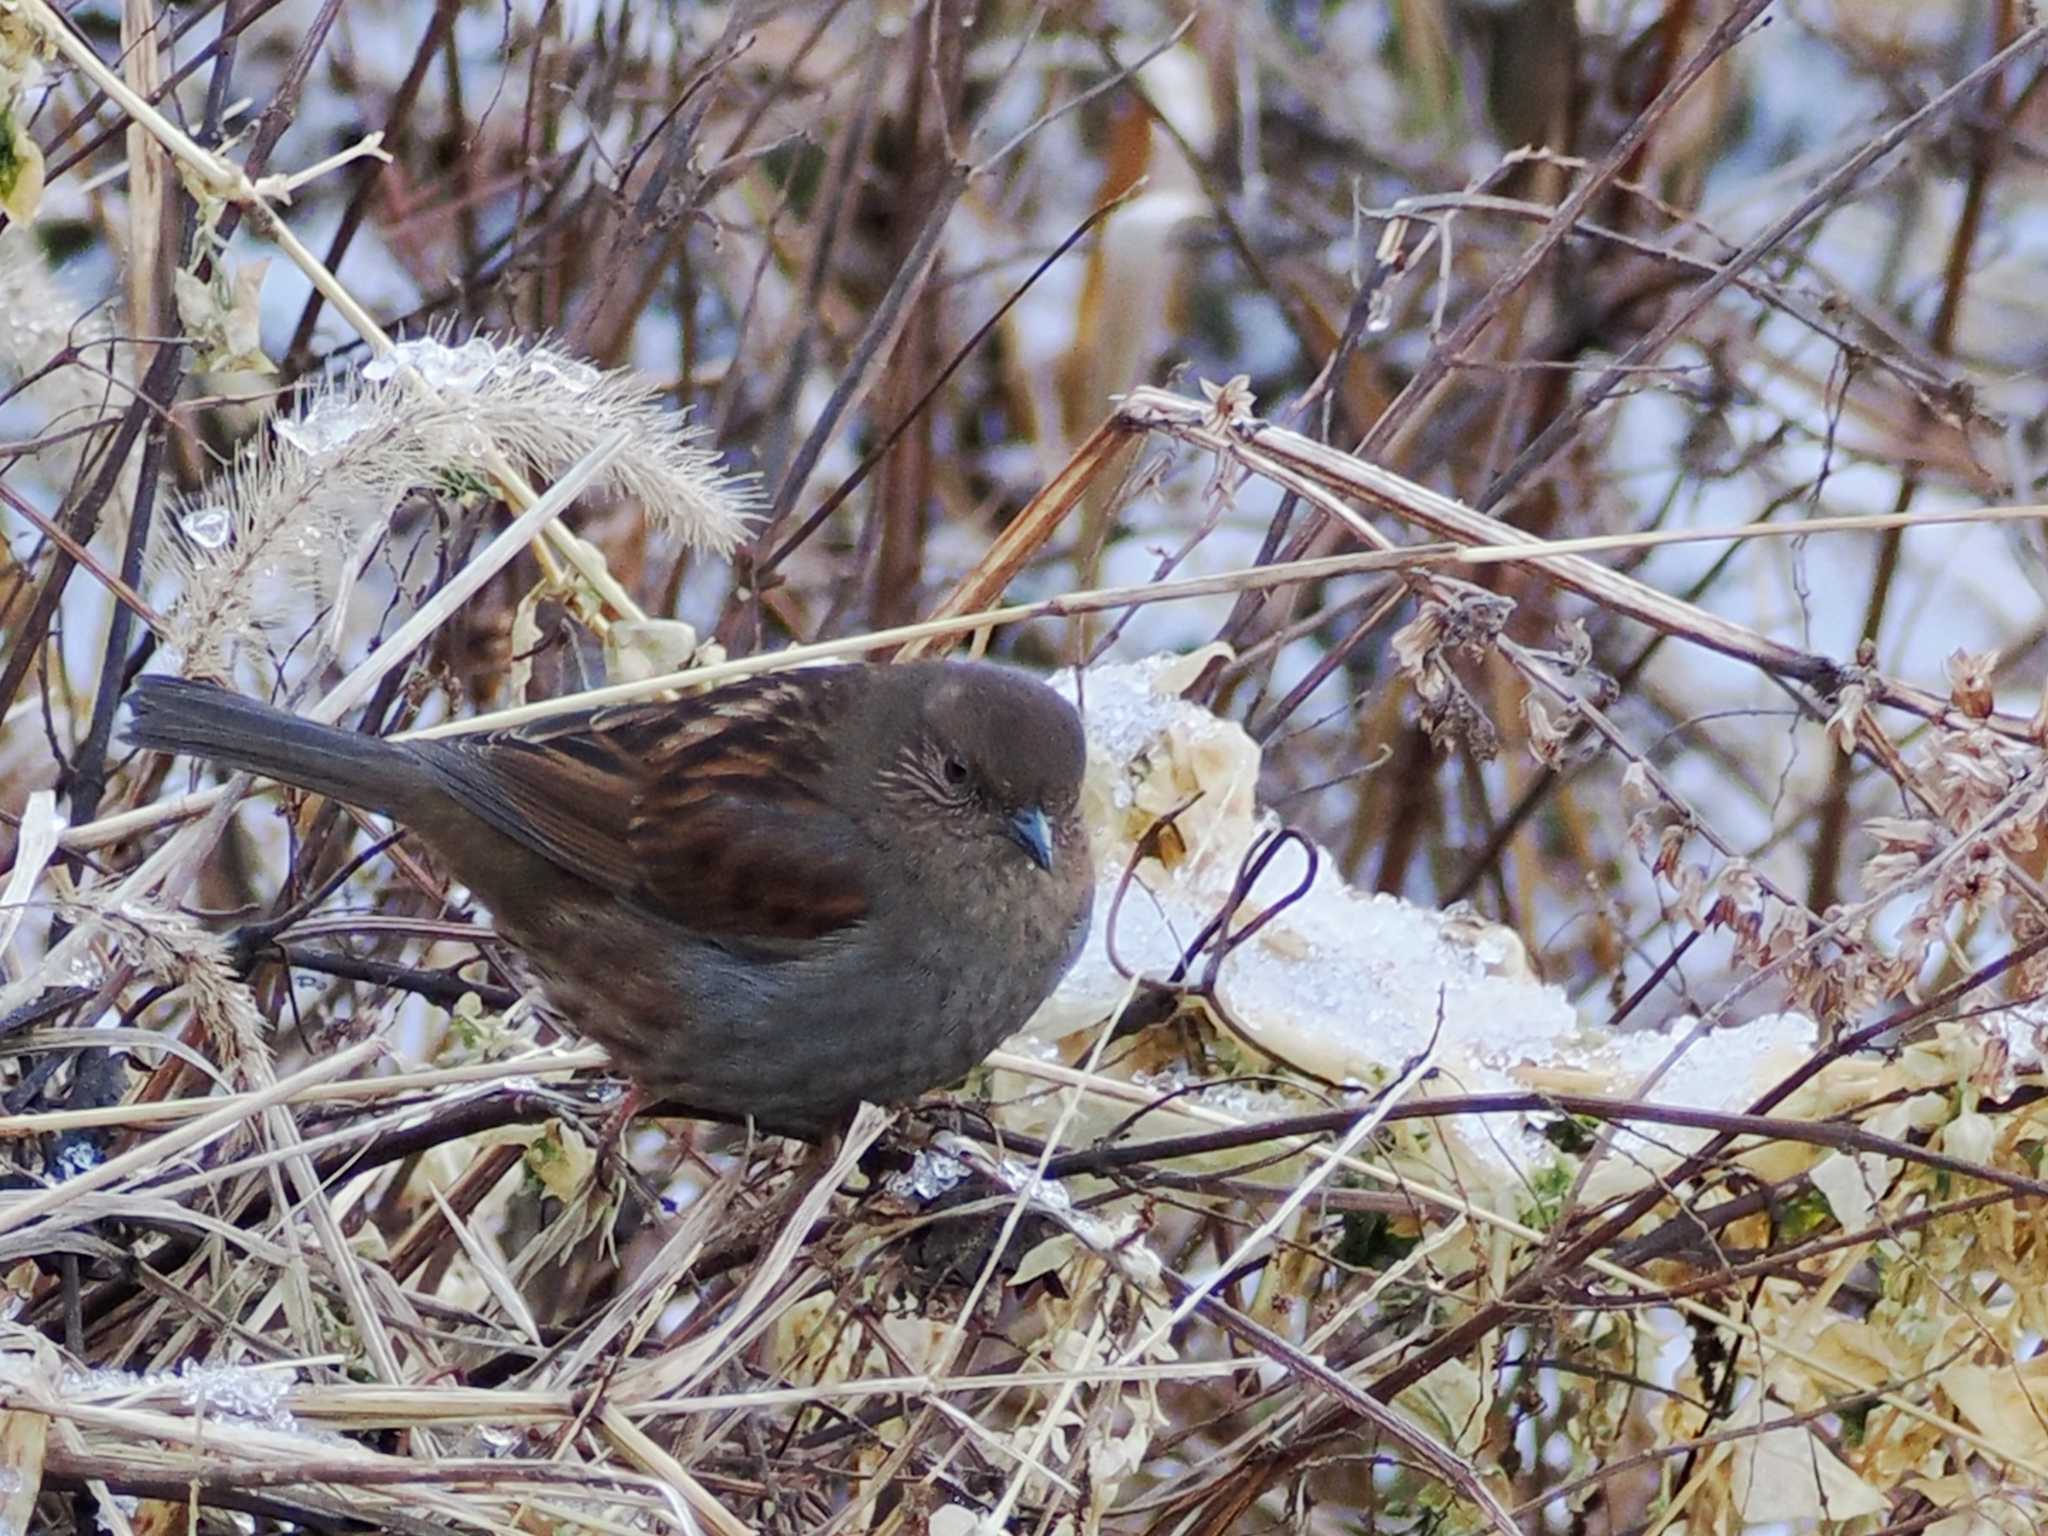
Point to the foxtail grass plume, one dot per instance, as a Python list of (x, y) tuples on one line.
[(274, 539)]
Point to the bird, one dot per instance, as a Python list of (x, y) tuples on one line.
[(769, 901)]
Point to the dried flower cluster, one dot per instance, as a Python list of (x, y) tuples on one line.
[(1983, 795), (1452, 618)]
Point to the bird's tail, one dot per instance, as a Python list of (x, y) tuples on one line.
[(172, 714)]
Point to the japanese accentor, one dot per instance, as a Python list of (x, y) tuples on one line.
[(773, 899)]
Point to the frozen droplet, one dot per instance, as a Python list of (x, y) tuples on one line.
[(322, 429), (1379, 311), (574, 377), (931, 1174), (491, 1440), (208, 527), (75, 1157), (460, 368)]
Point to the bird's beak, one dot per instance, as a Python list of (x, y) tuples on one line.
[(1034, 835)]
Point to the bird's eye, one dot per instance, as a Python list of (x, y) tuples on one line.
[(955, 769)]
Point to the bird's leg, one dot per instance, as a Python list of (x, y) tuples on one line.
[(611, 1135), (615, 1168)]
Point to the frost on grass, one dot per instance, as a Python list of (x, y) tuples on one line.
[(1338, 988), (274, 541), (251, 1394)]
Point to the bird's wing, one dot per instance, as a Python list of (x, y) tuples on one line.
[(708, 811)]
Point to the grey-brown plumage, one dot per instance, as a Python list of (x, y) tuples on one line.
[(775, 899)]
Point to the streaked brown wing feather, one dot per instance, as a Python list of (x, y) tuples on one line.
[(736, 869), (705, 810), (732, 835)]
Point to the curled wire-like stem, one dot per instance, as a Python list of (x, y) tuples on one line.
[(1216, 941)]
